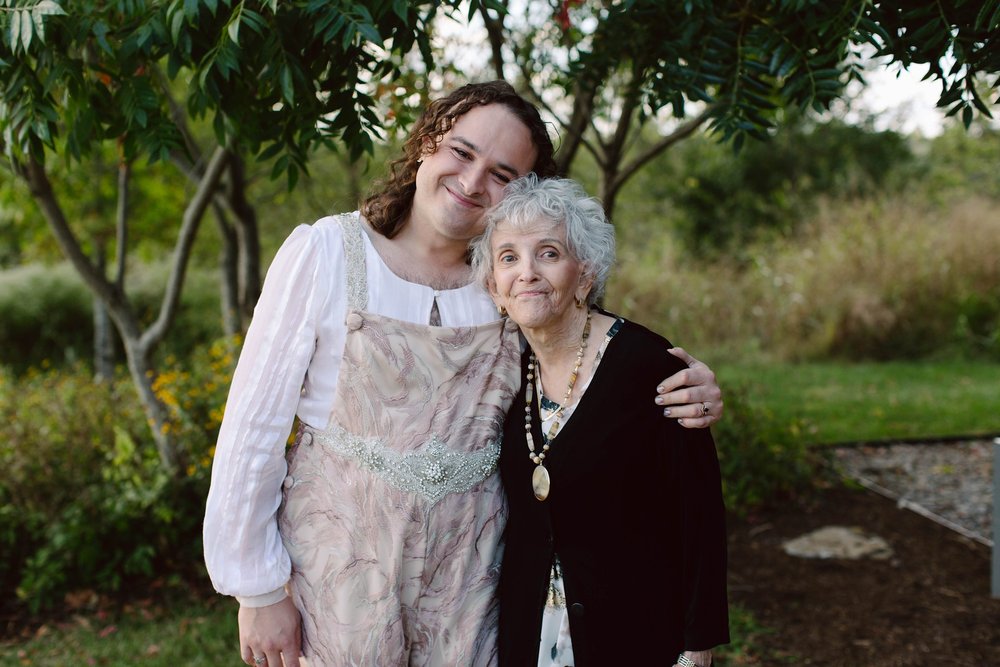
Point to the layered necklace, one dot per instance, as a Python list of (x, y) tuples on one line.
[(540, 480)]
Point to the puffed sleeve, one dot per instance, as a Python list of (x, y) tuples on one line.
[(243, 550)]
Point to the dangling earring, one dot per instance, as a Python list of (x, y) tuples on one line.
[(580, 302), (501, 310)]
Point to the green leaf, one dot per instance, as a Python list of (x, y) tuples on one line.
[(254, 21), (14, 31), (49, 7), (994, 22), (42, 131), (929, 34), (269, 152), (370, 33), (39, 25), (100, 31), (233, 29), (279, 165), (287, 86), (176, 23), (219, 127), (400, 8), (776, 56), (27, 29)]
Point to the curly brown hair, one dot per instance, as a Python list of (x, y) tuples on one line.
[(387, 207)]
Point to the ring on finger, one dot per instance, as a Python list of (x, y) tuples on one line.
[(259, 660), (705, 408)]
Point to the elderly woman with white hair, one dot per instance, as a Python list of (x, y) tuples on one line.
[(615, 543)]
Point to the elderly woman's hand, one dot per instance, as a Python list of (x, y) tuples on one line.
[(691, 396), (699, 658)]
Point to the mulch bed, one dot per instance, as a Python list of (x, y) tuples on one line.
[(930, 604)]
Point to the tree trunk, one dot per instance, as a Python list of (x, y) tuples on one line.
[(229, 283), (104, 340), (247, 235), (143, 375), (139, 344), (612, 180), (584, 90)]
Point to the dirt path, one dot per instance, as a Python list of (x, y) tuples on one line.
[(929, 604)]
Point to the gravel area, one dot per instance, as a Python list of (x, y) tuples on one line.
[(949, 482)]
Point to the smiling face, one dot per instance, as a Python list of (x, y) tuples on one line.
[(484, 150), (535, 275)]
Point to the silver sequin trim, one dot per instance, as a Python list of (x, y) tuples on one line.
[(354, 253), (433, 473)]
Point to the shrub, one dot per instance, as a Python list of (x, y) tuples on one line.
[(86, 502), (46, 313), (896, 278), (763, 460)]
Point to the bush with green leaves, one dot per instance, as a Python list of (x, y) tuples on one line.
[(763, 459), (718, 201), (46, 313), (86, 504), (903, 277)]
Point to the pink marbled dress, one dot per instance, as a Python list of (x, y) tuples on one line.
[(392, 515)]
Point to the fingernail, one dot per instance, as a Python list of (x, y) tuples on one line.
[(681, 422), (659, 389), (666, 412), (659, 400)]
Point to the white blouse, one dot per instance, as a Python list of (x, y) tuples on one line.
[(289, 366)]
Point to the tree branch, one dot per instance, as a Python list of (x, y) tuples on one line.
[(121, 223), (494, 32), (583, 111), (40, 186), (182, 251), (615, 147), (682, 132)]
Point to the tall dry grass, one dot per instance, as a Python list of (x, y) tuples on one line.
[(901, 277)]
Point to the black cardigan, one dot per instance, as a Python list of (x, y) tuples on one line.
[(635, 514)]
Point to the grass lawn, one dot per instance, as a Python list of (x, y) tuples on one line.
[(196, 632), (202, 634), (876, 401)]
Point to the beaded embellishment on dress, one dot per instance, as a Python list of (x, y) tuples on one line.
[(433, 473)]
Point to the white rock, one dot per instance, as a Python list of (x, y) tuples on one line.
[(850, 543)]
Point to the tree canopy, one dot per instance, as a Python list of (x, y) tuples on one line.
[(604, 69), (276, 78)]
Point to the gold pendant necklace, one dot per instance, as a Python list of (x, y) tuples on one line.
[(541, 482)]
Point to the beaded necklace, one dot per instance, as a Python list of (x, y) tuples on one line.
[(541, 482)]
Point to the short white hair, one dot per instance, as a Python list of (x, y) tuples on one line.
[(590, 238)]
